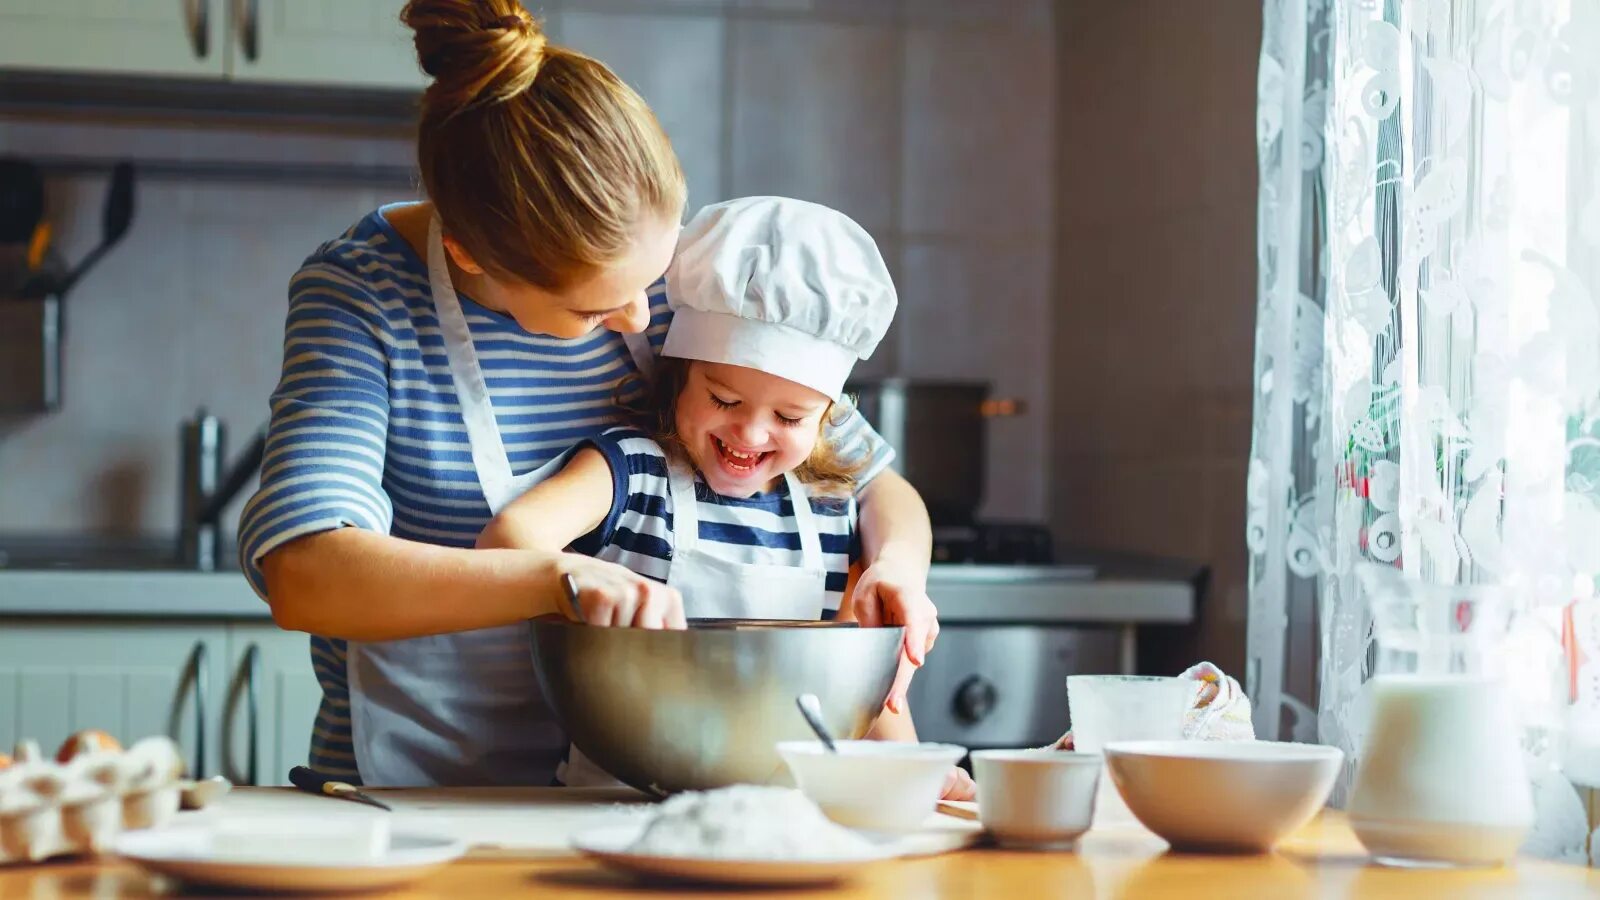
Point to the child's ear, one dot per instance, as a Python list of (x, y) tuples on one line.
[(460, 256)]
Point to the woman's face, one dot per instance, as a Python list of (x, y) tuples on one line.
[(613, 297), (744, 428)]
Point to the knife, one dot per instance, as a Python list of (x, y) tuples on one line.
[(316, 783)]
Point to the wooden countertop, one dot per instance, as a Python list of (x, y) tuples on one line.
[(1323, 860)]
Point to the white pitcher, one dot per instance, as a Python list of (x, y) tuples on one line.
[(1441, 780)]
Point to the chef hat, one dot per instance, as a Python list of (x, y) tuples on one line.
[(784, 286)]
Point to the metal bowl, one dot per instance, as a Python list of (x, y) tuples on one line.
[(668, 711)]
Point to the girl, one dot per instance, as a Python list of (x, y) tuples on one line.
[(732, 492), (438, 357)]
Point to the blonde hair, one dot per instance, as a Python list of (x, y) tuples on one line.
[(540, 161), (653, 407)]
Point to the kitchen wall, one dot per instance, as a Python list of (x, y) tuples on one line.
[(1155, 292), (930, 121)]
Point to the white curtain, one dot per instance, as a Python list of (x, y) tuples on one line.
[(1428, 355)]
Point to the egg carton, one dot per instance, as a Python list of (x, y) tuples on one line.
[(50, 808)]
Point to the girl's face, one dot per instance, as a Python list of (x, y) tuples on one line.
[(613, 297), (744, 428)]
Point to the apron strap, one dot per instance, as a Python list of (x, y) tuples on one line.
[(685, 508), (644, 356), (472, 391), (805, 522)]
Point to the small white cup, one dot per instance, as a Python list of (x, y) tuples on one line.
[(1036, 799), (1105, 708)]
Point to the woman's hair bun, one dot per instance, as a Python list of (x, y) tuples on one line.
[(478, 51)]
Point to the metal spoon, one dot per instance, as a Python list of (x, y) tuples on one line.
[(570, 585), (811, 708)]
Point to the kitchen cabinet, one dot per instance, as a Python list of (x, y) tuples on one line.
[(239, 696), (140, 37), (351, 43), (129, 679), (356, 43)]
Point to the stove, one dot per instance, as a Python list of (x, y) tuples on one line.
[(1014, 624)]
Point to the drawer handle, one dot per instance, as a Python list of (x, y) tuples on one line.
[(200, 28), (245, 682), (194, 673), (249, 13)]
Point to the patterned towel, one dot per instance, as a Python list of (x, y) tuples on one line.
[(1221, 710)]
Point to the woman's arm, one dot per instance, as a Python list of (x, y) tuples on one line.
[(359, 585)]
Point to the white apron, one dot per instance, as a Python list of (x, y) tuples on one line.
[(714, 588), (464, 708)]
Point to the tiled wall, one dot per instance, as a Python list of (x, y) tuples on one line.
[(930, 121), (1155, 299)]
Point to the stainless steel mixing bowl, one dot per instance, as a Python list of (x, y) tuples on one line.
[(669, 711)]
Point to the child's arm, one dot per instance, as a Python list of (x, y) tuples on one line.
[(559, 511), (889, 726), (897, 725)]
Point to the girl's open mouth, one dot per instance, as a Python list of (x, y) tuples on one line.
[(738, 462)]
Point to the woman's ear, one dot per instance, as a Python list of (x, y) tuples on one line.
[(460, 256)]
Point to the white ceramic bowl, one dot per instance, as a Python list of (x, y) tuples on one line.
[(1036, 799), (872, 785), (1230, 796)]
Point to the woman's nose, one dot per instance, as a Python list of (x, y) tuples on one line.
[(632, 320)]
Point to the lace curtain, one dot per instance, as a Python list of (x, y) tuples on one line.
[(1428, 354)]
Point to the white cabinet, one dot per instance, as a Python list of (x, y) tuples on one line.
[(358, 43), (145, 37), (331, 43), (130, 679), (239, 696), (271, 704)]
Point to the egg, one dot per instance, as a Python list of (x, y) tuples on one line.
[(5, 760), (86, 741)]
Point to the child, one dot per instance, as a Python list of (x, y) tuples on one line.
[(730, 494)]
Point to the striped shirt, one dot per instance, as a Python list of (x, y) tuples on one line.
[(366, 430), (759, 530)]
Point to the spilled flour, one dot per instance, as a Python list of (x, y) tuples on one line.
[(748, 822)]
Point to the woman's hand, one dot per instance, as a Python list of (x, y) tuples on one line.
[(612, 595), (894, 593), (958, 785)]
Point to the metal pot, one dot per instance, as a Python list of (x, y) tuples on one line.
[(938, 429)]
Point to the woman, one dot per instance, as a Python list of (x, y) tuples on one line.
[(438, 359)]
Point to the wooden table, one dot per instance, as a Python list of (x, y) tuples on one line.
[(1323, 860)]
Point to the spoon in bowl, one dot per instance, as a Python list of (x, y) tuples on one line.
[(811, 708)]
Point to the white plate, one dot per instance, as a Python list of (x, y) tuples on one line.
[(610, 847), (184, 853)]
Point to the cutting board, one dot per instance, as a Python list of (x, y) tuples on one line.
[(518, 823)]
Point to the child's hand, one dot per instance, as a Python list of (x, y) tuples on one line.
[(891, 593), (958, 785), (612, 595)]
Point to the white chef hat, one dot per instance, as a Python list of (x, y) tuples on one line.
[(788, 287)]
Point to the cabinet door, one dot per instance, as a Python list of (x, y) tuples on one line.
[(142, 37), (271, 704), (128, 679), (359, 43)]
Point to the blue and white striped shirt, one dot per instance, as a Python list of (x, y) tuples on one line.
[(366, 430), (761, 529)]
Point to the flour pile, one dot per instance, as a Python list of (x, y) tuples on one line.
[(750, 823)]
